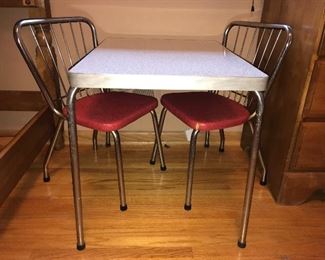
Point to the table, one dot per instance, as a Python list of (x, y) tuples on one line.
[(163, 64), (124, 63)]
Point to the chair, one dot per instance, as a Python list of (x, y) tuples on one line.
[(59, 43), (262, 45)]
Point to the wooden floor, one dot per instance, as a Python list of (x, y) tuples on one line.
[(37, 220)]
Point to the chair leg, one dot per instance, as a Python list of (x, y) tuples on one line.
[(95, 134), (161, 125), (46, 176), (207, 139), (108, 139), (158, 140), (222, 140), (120, 174), (263, 180), (190, 170)]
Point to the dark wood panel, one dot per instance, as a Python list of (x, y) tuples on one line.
[(298, 187), (18, 3), (315, 102), (17, 156), (21, 100), (285, 98), (38, 8), (309, 152)]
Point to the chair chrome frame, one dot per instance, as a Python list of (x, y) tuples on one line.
[(272, 75), (24, 50), (69, 97), (255, 125)]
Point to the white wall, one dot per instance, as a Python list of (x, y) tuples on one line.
[(176, 18), (193, 18)]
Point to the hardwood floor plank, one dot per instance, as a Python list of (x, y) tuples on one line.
[(37, 220)]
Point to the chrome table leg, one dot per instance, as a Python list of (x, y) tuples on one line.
[(251, 170), (74, 158)]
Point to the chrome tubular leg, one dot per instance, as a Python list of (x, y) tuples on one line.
[(261, 160), (120, 174), (263, 179), (158, 140), (251, 171), (190, 170), (46, 176), (207, 139), (161, 125), (108, 139), (95, 143), (74, 158), (222, 140)]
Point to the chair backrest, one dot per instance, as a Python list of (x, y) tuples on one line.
[(262, 45), (51, 46)]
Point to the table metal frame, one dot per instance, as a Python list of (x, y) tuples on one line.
[(164, 64)]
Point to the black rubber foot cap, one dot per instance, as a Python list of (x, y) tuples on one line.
[(124, 208), (46, 179), (187, 207), (206, 145), (81, 247), (221, 150), (241, 244), (108, 145), (152, 162), (263, 183), (163, 168)]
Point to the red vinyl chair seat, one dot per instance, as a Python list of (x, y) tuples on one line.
[(113, 110), (205, 110)]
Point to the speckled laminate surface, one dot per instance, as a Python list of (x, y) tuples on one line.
[(165, 64)]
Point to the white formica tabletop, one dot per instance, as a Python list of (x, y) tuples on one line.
[(165, 64)]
